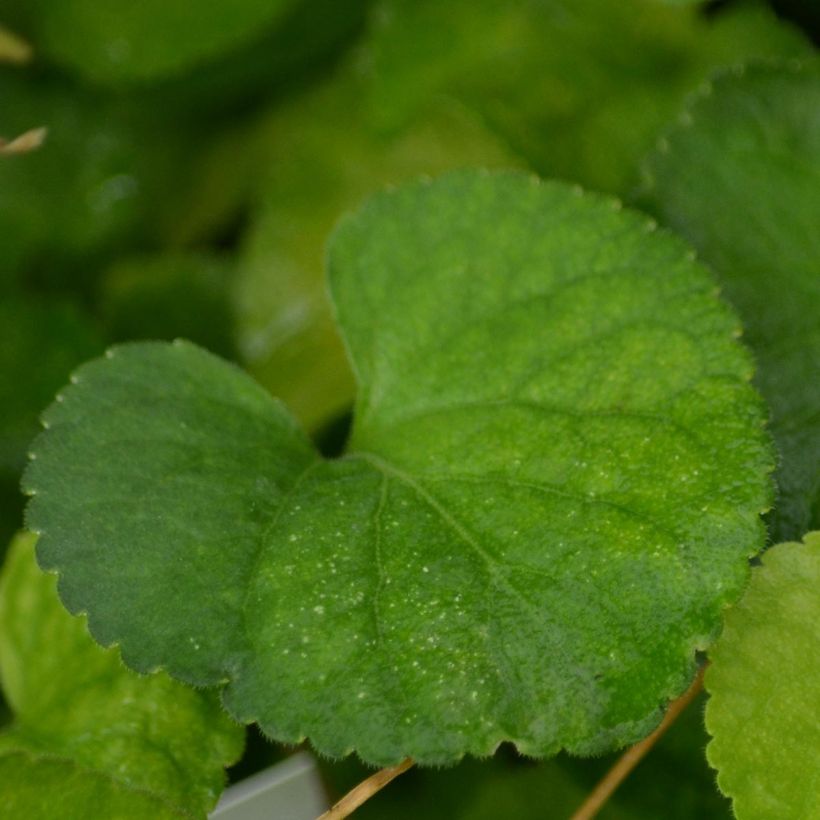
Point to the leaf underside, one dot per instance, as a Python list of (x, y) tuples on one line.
[(738, 177), (553, 483), (764, 684)]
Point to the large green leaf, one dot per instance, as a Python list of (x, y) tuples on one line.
[(764, 683), (578, 87), (127, 42), (739, 178), (552, 488), (324, 161), (86, 726)]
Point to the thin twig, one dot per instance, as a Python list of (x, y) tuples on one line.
[(13, 49), (25, 143), (365, 790), (632, 756)]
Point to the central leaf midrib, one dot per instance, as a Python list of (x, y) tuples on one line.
[(495, 567)]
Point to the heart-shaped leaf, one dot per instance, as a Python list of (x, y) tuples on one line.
[(764, 683), (552, 486)]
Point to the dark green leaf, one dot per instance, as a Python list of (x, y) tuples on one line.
[(739, 176)]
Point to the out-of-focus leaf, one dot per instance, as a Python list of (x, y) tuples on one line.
[(324, 161), (578, 87), (280, 61), (764, 683), (170, 295), (739, 176), (117, 43), (85, 720), (81, 189)]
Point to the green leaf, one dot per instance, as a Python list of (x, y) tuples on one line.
[(764, 683), (324, 161), (577, 87), (552, 488), (41, 788), (738, 177), (145, 41), (85, 725)]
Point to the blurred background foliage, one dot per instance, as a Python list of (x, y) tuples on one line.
[(197, 157)]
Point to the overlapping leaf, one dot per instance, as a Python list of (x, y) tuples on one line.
[(90, 738), (739, 178), (577, 87), (552, 487), (764, 684)]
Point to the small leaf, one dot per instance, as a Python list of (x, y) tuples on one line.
[(738, 177), (764, 683), (552, 488), (86, 723), (145, 41)]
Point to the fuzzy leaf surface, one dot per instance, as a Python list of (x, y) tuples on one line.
[(738, 177), (764, 683), (86, 725), (552, 487)]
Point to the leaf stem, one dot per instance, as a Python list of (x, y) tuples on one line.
[(632, 756), (24, 143), (365, 790)]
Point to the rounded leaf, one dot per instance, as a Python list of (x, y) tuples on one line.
[(552, 488), (764, 683)]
